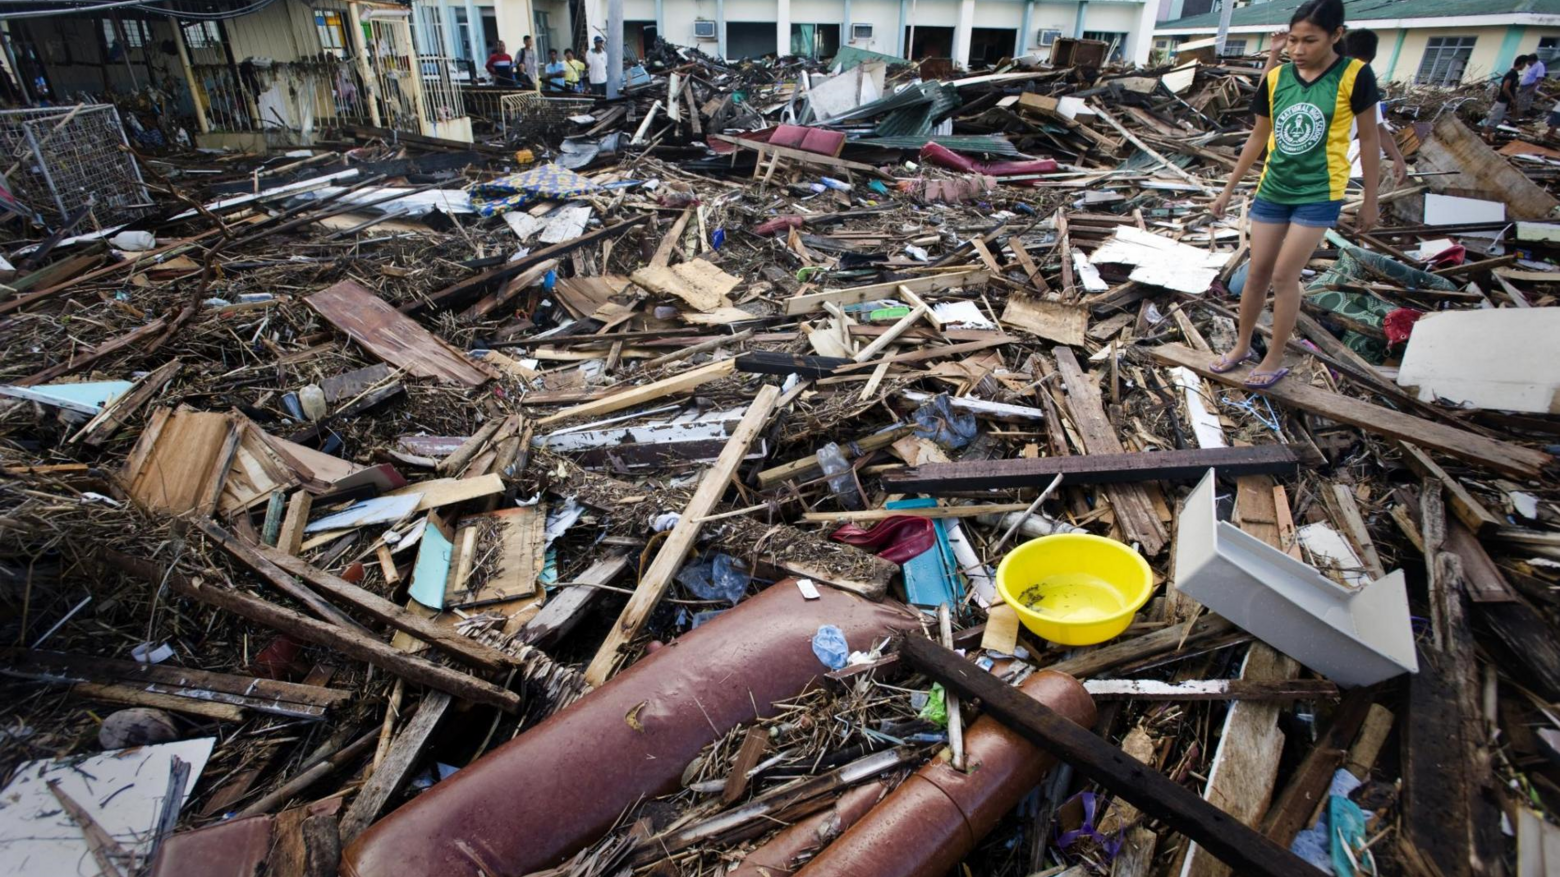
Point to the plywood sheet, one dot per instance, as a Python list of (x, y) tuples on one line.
[(699, 283), (393, 336), (1051, 320)]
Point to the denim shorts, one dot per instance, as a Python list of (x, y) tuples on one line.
[(1317, 214)]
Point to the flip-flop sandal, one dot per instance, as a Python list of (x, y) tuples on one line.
[(1225, 364), (1267, 379)]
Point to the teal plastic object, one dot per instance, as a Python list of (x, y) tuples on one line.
[(432, 571), (931, 577)]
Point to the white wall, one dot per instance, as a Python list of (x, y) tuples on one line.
[(999, 14), (933, 13), (883, 15)]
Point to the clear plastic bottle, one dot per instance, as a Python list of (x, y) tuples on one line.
[(842, 481)]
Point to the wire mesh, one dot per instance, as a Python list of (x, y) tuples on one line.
[(65, 162)]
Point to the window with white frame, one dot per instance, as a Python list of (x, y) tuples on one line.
[(201, 34), (137, 33), (1234, 48), (1445, 60), (1548, 50)]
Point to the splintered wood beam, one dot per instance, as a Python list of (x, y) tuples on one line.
[(1499, 456), (1185, 465), (678, 383), (1139, 784), (276, 566), (1092, 662), (350, 642), (1135, 512), (398, 765), (1210, 689), (658, 577), (1307, 788), (797, 305)]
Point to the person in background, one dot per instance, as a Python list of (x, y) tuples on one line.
[(1527, 86), (1554, 120), (1303, 113), (1506, 97), (527, 63), (596, 63), (501, 67), (573, 69), (1362, 44), (555, 71)]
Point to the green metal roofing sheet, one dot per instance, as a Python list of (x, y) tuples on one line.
[(1277, 12)]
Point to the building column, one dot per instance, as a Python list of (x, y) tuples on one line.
[(1026, 30), (782, 28), (902, 50), (1397, 49), (1508, 48), (515, 21), (845, 39), (449, 26), (961, 33), (475, 35), (1083, 14), (660, 20), (196, 97), (720, 29), (360, 50), (1140, 43)]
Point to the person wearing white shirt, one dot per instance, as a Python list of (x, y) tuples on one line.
[(596, 66), (1527, 88)]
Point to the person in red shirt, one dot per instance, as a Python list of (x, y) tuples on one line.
[(501, 66)]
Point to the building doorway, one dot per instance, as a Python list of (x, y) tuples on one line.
[(929, 42), (988, 45)]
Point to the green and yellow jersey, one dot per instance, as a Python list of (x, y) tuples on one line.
[(1308, 151)]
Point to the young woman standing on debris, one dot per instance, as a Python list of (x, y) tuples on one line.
[(1303, 114)]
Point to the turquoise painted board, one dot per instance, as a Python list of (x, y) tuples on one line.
[(85, 398), (432, 571)]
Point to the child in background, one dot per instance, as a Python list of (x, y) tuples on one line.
[(1362, 44)]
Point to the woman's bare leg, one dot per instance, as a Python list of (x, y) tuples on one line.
[(1267, 241), (1299, 244)]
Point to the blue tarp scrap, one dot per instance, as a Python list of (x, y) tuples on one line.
[(548, 182)]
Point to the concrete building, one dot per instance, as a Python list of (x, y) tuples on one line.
[(1423, 42), (971, 32)]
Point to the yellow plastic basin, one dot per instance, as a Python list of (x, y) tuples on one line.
[(1075, 589)]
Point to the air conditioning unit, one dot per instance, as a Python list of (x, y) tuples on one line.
[(861, 31), (703, 30), (1049, 36)]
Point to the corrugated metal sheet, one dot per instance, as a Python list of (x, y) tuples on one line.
[(919, 118)]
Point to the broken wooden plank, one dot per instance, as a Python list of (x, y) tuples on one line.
[(748, 755), (806, 304), (1211, 689), (397, 767), (701, 284), (1135, 512), (1124, 776), (669, 559), (133, 696), (114, 415), (1164, 641), (632, 396), (392, 336), (83, 358), (1497, 455), (1469, 510), (1309, 784), (275, 565), (1051, 320), (351, 643), (1187, 465), (569, 606)]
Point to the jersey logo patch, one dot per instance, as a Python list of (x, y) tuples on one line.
[(1299, 128)]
